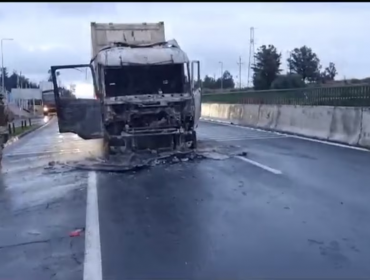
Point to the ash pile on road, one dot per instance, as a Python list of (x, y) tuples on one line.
[(137, 161)]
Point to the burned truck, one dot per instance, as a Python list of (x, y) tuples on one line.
[(147, 98)]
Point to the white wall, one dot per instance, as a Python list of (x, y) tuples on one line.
[(25, 93)]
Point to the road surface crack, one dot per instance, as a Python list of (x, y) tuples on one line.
[(24, 244)]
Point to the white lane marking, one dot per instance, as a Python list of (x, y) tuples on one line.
[(288, 135), (239, 139), (272, 170), (92, 262)]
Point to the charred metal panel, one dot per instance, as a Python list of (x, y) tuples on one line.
[(150, 122), (156, 112), (198, 106), (120, 56), (163, 99), (80, 116)]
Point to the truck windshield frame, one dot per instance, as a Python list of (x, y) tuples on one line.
[(146, 79)]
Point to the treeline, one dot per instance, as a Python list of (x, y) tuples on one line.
[(225, 82), (66, 93), (303, 68), (15, 80)]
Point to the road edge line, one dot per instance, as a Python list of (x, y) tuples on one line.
[(227, 123), (92, 269)]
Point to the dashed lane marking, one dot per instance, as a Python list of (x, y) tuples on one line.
[(265, 167)]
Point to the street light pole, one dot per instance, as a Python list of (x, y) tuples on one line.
[(222, 74), (2, 64)]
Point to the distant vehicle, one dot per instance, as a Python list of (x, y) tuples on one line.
[(48, 98), (147, 91)]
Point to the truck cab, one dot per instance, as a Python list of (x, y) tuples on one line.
[(147, 98)]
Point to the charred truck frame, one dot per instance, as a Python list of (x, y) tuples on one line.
[(147, 98)]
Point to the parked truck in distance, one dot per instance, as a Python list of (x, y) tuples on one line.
[(147, 91), (48, 98)]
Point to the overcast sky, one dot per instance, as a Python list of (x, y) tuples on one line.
[(50, 34)]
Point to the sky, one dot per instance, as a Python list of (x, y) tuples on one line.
[(46, 34)]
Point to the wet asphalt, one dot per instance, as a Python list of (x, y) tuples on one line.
[(208, 219)]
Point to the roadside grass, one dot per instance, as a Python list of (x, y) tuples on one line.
[(20, 130)]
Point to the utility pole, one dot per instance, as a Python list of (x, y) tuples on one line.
[(251, 53), (222, 74), (2, 64), (240, 63)]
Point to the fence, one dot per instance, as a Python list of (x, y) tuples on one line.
[(19, 126), (358, 95)]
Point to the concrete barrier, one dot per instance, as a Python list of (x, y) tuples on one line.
[(305, 120), (348, 125), (365, 128), (268, 116)]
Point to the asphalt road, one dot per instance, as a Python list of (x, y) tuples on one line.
[(291, 208)]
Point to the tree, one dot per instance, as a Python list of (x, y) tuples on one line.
[(328, 74), (227, 81), (209, 82), (356, 81), (66, 93), (304, 61), (266, 68), (331, 71), (50, 78), (72, 88), (288, 81), (16, 80)]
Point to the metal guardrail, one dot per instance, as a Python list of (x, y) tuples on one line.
[(358, 96)]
